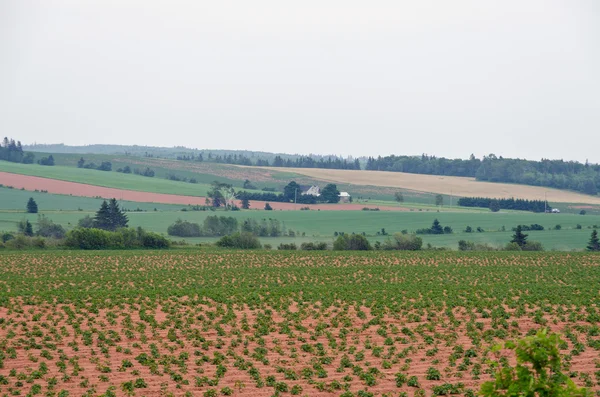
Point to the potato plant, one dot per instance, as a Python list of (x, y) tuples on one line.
[(287, 323)]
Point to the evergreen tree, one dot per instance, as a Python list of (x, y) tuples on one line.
[(436, 228), (28, 229), (102, 218), (80, 163), (268, 207), (25, 227), (32, 207), (519, 237), (245, 203), (118, 219), (594, 244), (110, 216)]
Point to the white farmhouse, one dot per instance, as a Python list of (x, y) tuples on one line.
[(313, 191), (344, 197)]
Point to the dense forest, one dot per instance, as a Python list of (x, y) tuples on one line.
[(13, 151), (558, 174)]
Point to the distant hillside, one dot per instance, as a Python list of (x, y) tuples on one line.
[(167, 152), (558, 174)]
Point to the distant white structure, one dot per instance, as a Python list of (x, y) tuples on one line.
[(555, 211), (313, 191), (344, 196)]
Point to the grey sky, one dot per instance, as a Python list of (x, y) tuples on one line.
[(451, 78)]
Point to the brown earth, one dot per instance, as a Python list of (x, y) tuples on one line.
[(95, 345), (80, 189)]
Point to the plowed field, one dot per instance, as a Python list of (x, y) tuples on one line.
[(260, 323)]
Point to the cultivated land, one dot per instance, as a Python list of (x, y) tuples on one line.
[(30, 183), (314, 324), (317, 225), (457, 186)]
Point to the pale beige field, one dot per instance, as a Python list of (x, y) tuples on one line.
[(457, 186)]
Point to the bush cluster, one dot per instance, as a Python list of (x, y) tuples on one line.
[(243, 240), (98, 239)]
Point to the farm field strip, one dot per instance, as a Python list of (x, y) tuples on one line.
[(56, 186), (457, 186), (258, 323)]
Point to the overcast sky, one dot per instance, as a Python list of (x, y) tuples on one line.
[(450, 78)]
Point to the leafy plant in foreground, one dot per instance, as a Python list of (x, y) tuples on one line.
[(537, 373)]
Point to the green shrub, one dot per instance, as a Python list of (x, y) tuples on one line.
[(316, 246), (125, 238), (533, 246), (154, 240), (287, 247), (184, 229), (354, 242), (403, 242), (244, 240), (47, 228)]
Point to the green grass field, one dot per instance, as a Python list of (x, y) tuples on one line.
[(317, 225), (108, 179)]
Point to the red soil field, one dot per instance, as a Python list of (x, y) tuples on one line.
[(80, 189)]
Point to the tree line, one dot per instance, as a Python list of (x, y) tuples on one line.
[(505, 204), (327, 162), (11, 150), (558, 174), (218, 226)]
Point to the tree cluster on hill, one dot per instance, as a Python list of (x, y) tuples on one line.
[(275, 197), (104, 166), (13, 151), (49, 161), (213, 226), (327, 162), (436, 228), (505, 204), (293, 192), (528, 228), (216, 226), (519, 242), (264, 228), (243, 240), (402, 242), (558, 174), (145, 172), (351, 242)]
